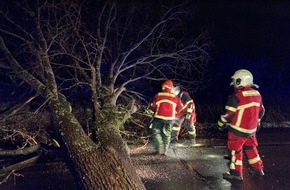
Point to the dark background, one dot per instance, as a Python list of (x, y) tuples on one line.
[(251, 35)]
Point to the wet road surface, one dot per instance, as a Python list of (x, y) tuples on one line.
[(201, 167), (186, 168)]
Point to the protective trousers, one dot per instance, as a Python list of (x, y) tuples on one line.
[(189, 127), (161, 136), (236, 144)]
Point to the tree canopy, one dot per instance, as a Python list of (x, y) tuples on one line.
[(108, 51)]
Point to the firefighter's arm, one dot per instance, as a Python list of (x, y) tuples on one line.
[(179, 106), (149, 113), (186, 121), (187, 118), (189, 110), (225, 119), (230, 112), (222, 122), (152, 106), (261, 114), (259, 125)]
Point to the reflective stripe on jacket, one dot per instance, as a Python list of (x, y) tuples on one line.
[(166, 105), (188, 106), (244, 111)]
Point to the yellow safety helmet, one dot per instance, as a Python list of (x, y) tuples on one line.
[(243, 78)]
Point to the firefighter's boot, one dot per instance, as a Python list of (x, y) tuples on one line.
[(193, 142), (256, 172), (232, 176)]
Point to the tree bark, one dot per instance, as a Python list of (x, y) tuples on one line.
[(109, 136), (94, 167)]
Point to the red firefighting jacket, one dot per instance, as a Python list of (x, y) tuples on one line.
[(244, 111), (188, 107), (165, 106)]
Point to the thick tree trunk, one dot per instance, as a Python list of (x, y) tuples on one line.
[(95, 168), (109, 136)]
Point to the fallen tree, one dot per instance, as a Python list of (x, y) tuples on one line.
[(57, 56)]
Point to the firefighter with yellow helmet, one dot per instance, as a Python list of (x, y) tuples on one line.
[(243, 113), (165, 106)]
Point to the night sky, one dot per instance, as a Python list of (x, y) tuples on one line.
[(253, 35)]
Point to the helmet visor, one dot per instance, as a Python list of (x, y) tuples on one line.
[(176, 90)]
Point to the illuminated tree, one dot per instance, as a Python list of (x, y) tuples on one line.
[(60, 47)]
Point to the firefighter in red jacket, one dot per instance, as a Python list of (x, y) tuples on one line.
[(186, 117), (244, 111), (165, 106)]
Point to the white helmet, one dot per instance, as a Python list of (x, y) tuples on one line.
[(176, 90), (243, 78)]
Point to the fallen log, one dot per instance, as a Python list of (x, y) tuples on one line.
[(18, 152), (19, 166)]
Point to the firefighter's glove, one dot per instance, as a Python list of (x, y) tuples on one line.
[(149, 112), (258, 127), (150, 126), (187, 116), (221, 125), (149, 129)]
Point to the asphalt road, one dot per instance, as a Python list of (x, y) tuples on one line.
[(194, 168), (201, 167)]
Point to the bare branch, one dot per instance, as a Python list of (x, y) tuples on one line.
[(30, 79), (12, 111)]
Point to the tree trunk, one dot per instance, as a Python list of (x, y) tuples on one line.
[(109, 136), (94, 167)]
